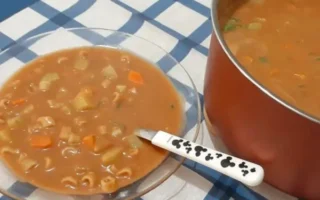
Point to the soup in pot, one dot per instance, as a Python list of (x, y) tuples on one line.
[(277, 43), (67, 120)]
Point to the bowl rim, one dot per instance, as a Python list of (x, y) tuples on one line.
[(218, 34), (193, 87)]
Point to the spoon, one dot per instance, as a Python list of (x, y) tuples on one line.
[(244, 171)]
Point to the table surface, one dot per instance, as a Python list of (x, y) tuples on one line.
[(220, 187)]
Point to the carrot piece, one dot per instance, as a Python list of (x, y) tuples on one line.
[(89, 141), (40, 141), (18, 101), (135, 77)]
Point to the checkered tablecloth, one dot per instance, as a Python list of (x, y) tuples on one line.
[(182, 28)]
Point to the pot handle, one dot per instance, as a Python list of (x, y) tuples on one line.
[(244, 171)]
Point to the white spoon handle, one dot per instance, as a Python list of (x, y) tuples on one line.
[(246, 172)]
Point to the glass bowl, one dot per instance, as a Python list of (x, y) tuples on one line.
[(16, 55)]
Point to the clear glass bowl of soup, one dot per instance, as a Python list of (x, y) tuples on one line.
[(17, 55)]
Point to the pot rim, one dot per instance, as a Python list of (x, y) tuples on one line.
[(245, 73)]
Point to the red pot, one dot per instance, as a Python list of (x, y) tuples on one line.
[(256, 125)]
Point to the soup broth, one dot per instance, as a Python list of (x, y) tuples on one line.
[(277, 43), (67, 120)]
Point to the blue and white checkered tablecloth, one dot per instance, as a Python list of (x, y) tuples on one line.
[(182, 28)]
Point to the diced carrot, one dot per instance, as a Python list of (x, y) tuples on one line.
[(18, 102), (135, 77), (89, 141), (40, 141)]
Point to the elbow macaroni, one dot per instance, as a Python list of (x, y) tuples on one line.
[(9, 150), (124, 173), (46, 121), (109, 184), (69, 181), (47, 163), (89, 179), (69, 151)]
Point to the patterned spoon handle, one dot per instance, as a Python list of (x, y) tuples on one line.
[(246, 172)]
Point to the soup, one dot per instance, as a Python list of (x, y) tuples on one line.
[(68, 119), (277, 43)]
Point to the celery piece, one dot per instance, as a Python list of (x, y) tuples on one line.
[(111, 155), (134, 141)]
